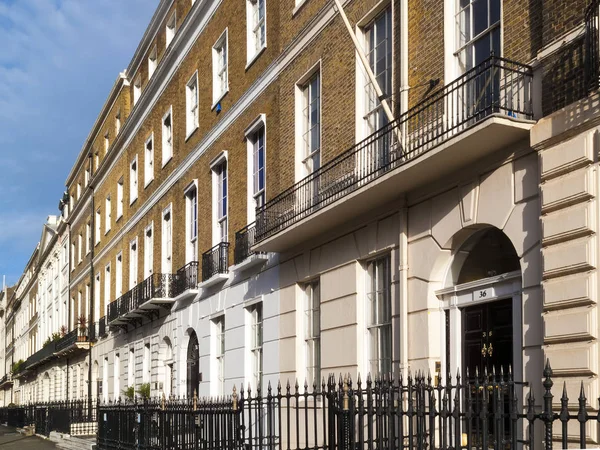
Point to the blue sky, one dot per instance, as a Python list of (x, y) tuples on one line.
[(58, 62)]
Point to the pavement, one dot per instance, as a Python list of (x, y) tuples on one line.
[(10, 439)]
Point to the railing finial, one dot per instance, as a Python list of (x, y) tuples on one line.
[(235, 398)]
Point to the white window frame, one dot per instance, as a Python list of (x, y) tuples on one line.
[(460, 46), (255, 344), (119, 275), (88, 238), (97, 285), (220, 220), (375, 325), (106, 142), (192, 107), (167, 240), (167, 137), (312, 337), (367, 103), (107, 215), (131, 367), (72, 256), (149, 250), (152, 61), (219, 332), (98, 226), (117, 122), (220, 66), (146, 363), (79, 248), (87, 177), (133, 262), (78, 191), (133, 180), (137, 89), (107, 282), (255, 195), (149, 160), (116, 376), (170, 28), (255, 25), (191, 227), (301, 169), (120, 193)]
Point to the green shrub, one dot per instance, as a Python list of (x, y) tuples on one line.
[(129, 393), (144, 391), (16, 367)]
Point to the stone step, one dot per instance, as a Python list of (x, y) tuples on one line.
[(66, 442)]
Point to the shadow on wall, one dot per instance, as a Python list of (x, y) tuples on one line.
[(563, 77)]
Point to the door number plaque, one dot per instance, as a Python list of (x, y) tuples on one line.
[(483, 294)]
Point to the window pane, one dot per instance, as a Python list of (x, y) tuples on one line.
[(482, 49), (494, 11), (480, 16)]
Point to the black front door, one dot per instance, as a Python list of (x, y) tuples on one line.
[(488, 337), (193, 366)]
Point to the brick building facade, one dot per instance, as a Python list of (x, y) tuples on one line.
[(374, 245)]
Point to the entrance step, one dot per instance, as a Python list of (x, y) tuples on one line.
[(67, 442)]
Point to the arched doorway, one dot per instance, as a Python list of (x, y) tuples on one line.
[(482, 306), (193, 365)]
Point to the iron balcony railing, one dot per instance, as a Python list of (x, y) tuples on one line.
[(186, 278), (44, 354), (497, 86), (215, 260), (74, 336), (157, 285), (244, 241), (592, 45)]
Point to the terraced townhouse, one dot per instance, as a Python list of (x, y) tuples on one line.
[(286, 189)]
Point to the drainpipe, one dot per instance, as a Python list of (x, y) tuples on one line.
[(403, 284), (404, 86), (92, 286)]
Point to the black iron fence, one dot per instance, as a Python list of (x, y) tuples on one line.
[(186, 278), (496, 86), (215, 260), (156, 286), (592, 45), (415, 413), (75, 417), (244, 240)]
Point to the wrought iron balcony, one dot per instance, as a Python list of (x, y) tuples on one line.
[(215, 264), (75, 340), (489, 106), (185, 280), (5, 381), (243, 255), (592, 45), (144, 300)]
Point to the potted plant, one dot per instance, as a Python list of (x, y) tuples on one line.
[(144, 391), (129, 393), (82, 324), (63, 331)]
